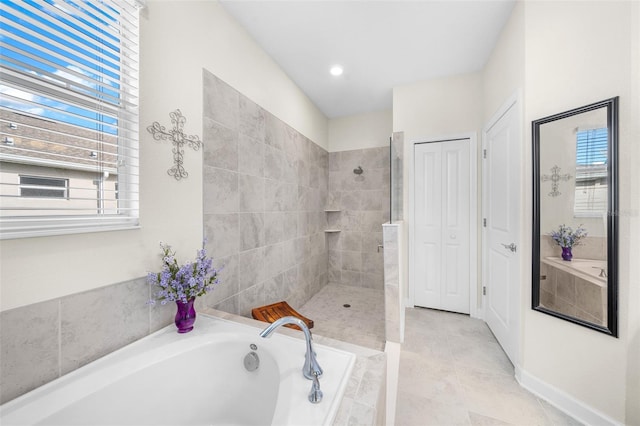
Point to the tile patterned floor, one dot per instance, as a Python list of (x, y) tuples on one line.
[(361, 324), (452, 370)]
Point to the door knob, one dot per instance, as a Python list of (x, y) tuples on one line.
[(511, 247)]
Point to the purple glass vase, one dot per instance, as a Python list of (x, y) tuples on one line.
[(185, 316), (566, 254)]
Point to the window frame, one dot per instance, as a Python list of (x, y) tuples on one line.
[(64, 188), (126, 196)]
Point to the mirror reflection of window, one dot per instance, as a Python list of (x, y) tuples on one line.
[(591, 172)]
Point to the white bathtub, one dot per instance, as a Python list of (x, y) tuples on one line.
[(196, 378)]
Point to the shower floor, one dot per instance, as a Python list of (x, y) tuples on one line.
[(362, 323)]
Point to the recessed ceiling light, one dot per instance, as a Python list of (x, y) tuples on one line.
[(336, 70)]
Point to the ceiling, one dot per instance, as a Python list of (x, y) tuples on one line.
[(380, 44)]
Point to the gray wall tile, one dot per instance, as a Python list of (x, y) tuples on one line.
[(250, 156), (223, 234), (364, 204), (251, 193), (273, 163), (273, 260), (272, 290), (221, 101), (272, 221), (352, 261), (29, 348), (228, 276), (112, 317), (289, 168), (251, 268), (275, 132), (220, 145), (251, 226), (251, 119), (221, 191)]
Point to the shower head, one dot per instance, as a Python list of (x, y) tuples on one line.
[(358, 170)]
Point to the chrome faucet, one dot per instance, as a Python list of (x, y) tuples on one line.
[(603, 271), (311, 369)]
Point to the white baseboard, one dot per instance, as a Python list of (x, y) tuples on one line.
[(563, 401)]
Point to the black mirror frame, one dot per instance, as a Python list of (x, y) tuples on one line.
[(612, 216)]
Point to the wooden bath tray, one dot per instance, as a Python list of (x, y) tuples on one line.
[(272, 313)]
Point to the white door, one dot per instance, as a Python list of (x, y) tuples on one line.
[(441, 243), (501, 201)]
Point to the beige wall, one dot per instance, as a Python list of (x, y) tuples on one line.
[(360, 131), (443, 107), (562, 41), (178, 39), (503, 75), (439, 107), (633, 255)]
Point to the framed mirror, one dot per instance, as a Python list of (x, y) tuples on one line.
[(575, 202)]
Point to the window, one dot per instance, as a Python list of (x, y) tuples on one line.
[(591, 172), (43, 187), (68, 116)]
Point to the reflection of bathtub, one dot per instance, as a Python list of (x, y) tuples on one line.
[(575, 288), (587, 269)]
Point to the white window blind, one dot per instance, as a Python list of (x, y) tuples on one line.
[(591, 172), (68, 111)]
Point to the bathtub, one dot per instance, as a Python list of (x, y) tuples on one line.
[(587, 269), (196, 378)]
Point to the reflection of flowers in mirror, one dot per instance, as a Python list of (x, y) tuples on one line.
[(565, 236)]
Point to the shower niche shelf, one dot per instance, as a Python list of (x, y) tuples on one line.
[(329, 212)]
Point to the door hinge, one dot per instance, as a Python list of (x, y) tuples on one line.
[(484, 153), (484, 290), (484, 222)]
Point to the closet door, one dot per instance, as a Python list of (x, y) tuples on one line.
[(441, 244)]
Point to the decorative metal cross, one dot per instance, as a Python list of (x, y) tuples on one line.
[(555, 179), (178, 138)]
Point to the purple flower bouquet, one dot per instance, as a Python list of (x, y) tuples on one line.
[(182, 284), (565, 236)]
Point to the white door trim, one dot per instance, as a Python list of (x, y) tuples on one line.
[(473, 216), (515, 101)]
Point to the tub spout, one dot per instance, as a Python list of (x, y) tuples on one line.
[(315, 396), (311, 367)]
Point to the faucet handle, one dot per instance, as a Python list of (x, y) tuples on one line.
[(315, 396)]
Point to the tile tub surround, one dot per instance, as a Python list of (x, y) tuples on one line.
[(364, 399), (43, 341), (363, 203), (265, 190), (572, 295), (393, 297)]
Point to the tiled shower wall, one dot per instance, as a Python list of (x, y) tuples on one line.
[(363, 205), (265, 189)]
